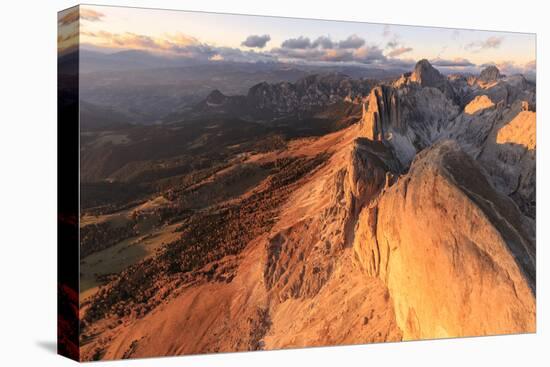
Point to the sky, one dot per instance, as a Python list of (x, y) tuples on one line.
[(212, 36)]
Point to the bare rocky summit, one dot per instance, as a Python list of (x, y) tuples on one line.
[(452, 250), (415, 222), (490, 74)]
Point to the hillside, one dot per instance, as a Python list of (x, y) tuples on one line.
[(403, 212)]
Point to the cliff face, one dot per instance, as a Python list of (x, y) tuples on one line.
[(408, 118), (428, 76), (307, 94), (427, 197), (418, 224), (302, 255), (453, 239), (301, 98), (452, 251)]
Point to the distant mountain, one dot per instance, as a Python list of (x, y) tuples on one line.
[(415, 221), (266, 101), (149, 87), (127, 60)]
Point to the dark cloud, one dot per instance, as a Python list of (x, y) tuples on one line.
[(320, 51), (323, 42), (297, 43), (451, 63), (365, 54), (352, 41), (256, 41), (399, 51), (491, 42)]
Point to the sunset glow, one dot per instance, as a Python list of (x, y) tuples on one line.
[(190, 34)]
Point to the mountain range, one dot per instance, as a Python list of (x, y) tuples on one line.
[(325, 210)]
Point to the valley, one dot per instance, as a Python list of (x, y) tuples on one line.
[(321, 211)]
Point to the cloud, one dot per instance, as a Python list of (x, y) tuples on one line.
[(297, 43), (236, 55), (353, 49), (300, 49), (124, 40), (216, 57), (364, 55), (91, 15), (491, 42), (177, 44), (407, 64), (181, 39), (454, 63), (338, 55), (80, 13), (392, 44), (323, 42), (508, 67), (352, 41), (68, 22), (302, 43), (399, 51), (367, 55), (256, 41), (312, 54)]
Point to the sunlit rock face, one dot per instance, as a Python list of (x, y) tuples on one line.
[(490, 74), (408, 118), (452, 250), (453, 237), (416, 221), (478, 104), (413, 113)]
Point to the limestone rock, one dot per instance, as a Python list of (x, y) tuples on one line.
[(490, 74), (408, 119), (300, 257), (478, 104), (452, 250), (428, 76)]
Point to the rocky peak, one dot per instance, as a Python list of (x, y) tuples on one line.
[(476, 226), (215, 98), (426, 75), (308, 94), (490, 74)]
